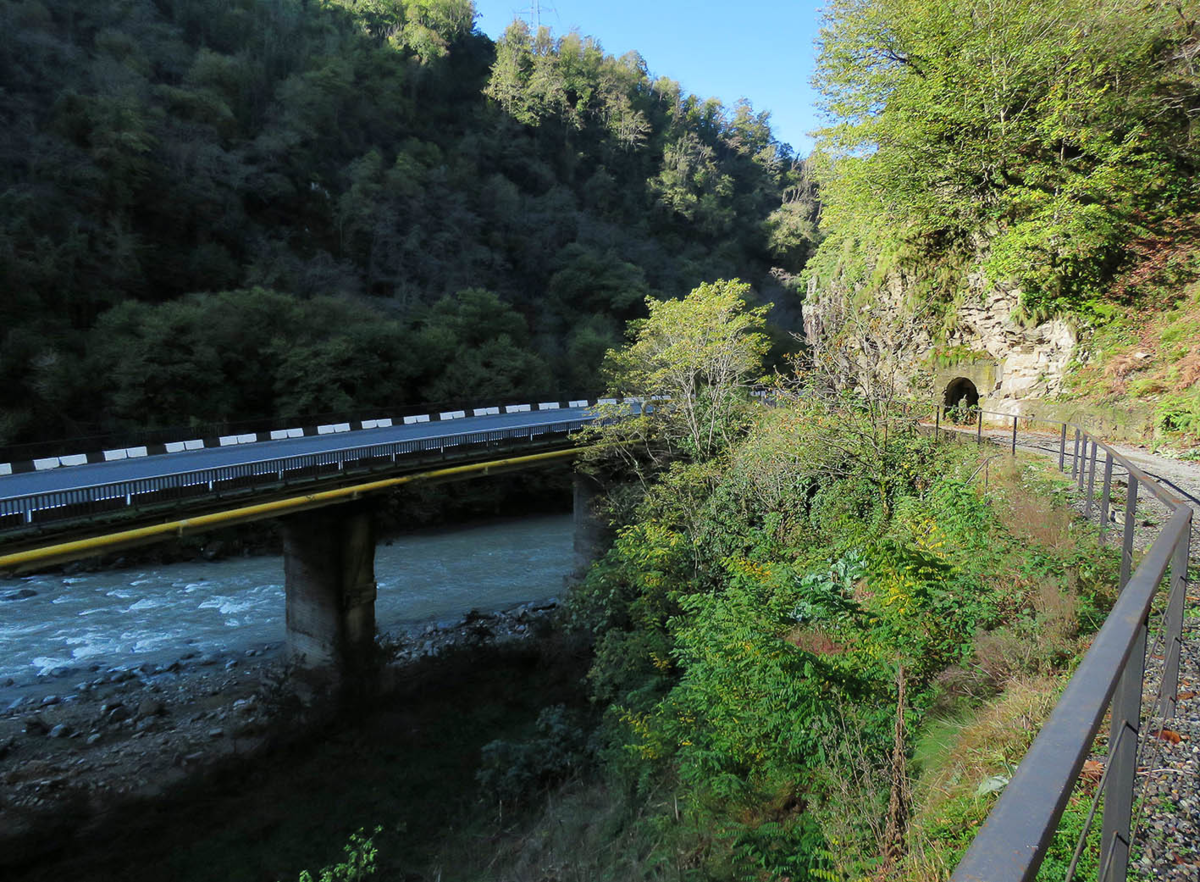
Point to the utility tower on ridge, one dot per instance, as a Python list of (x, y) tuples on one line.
[(534, 11)]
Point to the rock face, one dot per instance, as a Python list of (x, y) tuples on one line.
[(1023, 362), (1032, 361)]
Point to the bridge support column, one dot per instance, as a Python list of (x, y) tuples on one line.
[(591, 530), (329, 577)]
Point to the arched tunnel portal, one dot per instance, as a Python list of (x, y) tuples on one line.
[(961, 392)]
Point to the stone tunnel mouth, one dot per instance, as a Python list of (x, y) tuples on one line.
[(962, 398)]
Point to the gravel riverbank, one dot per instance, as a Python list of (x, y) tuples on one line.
[(74, 752)]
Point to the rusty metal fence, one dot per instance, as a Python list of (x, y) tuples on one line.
[(1014, 840)]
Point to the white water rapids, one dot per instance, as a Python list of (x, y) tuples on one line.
[(124, 618)]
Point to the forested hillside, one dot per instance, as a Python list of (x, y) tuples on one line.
[(1042, 156), (392, 208)]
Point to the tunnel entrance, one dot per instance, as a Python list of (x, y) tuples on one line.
[(961, 394)]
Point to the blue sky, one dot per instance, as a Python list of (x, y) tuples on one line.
[(757, 49)]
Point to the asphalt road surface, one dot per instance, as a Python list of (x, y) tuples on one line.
[(92, 474)]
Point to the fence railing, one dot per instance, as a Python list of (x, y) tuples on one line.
[(1014, 840), (22, 512)]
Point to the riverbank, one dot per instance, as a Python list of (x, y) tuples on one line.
[(78, 767)]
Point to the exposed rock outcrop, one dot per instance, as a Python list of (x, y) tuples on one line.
[(893, 342), (1032, 361)]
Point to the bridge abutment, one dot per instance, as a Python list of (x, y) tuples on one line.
[(329, 578), (591, 529)]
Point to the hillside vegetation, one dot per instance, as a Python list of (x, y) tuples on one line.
[(1050, 147), (819, 633), (213, 209)]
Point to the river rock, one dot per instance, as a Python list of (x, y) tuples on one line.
[(22, 594), (59, 731), (150, 707)]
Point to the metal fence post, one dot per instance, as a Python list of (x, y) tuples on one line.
[(1173, 625), (1122, 759), (1075, 456), (1014, 438), (937, 421), (979, 430), (1083, 458), (1105, 495), (1091, 484), (1127, 542), (1062, 449)]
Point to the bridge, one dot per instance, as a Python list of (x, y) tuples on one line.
[(319, 481)]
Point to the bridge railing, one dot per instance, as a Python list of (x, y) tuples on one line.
[(1013, 842), (21, 512), (87, 440)]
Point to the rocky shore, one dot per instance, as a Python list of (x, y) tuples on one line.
[(76, 748)]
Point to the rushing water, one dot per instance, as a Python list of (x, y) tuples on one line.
[(128, 617)]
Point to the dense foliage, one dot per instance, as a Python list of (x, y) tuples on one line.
[(1034, 141), (788, 596), (337, 170)]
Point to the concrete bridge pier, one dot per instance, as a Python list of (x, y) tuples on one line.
[(329, 578), (591, 529)]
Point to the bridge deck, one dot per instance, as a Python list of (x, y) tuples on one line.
[(85, 496), (93, 474)]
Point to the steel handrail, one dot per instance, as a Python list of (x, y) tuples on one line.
[(1013, 841)]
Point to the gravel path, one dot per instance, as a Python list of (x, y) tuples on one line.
[(1167, 814)]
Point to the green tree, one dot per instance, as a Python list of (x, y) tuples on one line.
[(1050, 132), (699, 354)]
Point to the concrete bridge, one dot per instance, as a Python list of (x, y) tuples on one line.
[(322, 486)]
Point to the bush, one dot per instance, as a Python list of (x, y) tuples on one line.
[(515, 771)]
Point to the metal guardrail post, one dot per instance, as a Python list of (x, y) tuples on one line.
[(1105, 494), (1090, 464), (1173, 625), (1118, 797), (1083, 461), (1127, 541)]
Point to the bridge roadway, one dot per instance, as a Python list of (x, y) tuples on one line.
[(101, 473), (79, 497)]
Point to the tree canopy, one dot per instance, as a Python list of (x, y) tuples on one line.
[(1043, 137), (289, 151)]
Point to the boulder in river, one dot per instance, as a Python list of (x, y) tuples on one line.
[(22, 594)]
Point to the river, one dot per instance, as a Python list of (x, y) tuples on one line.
[(125, 618)]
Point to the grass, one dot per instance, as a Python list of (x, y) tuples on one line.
[(992, 707)]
